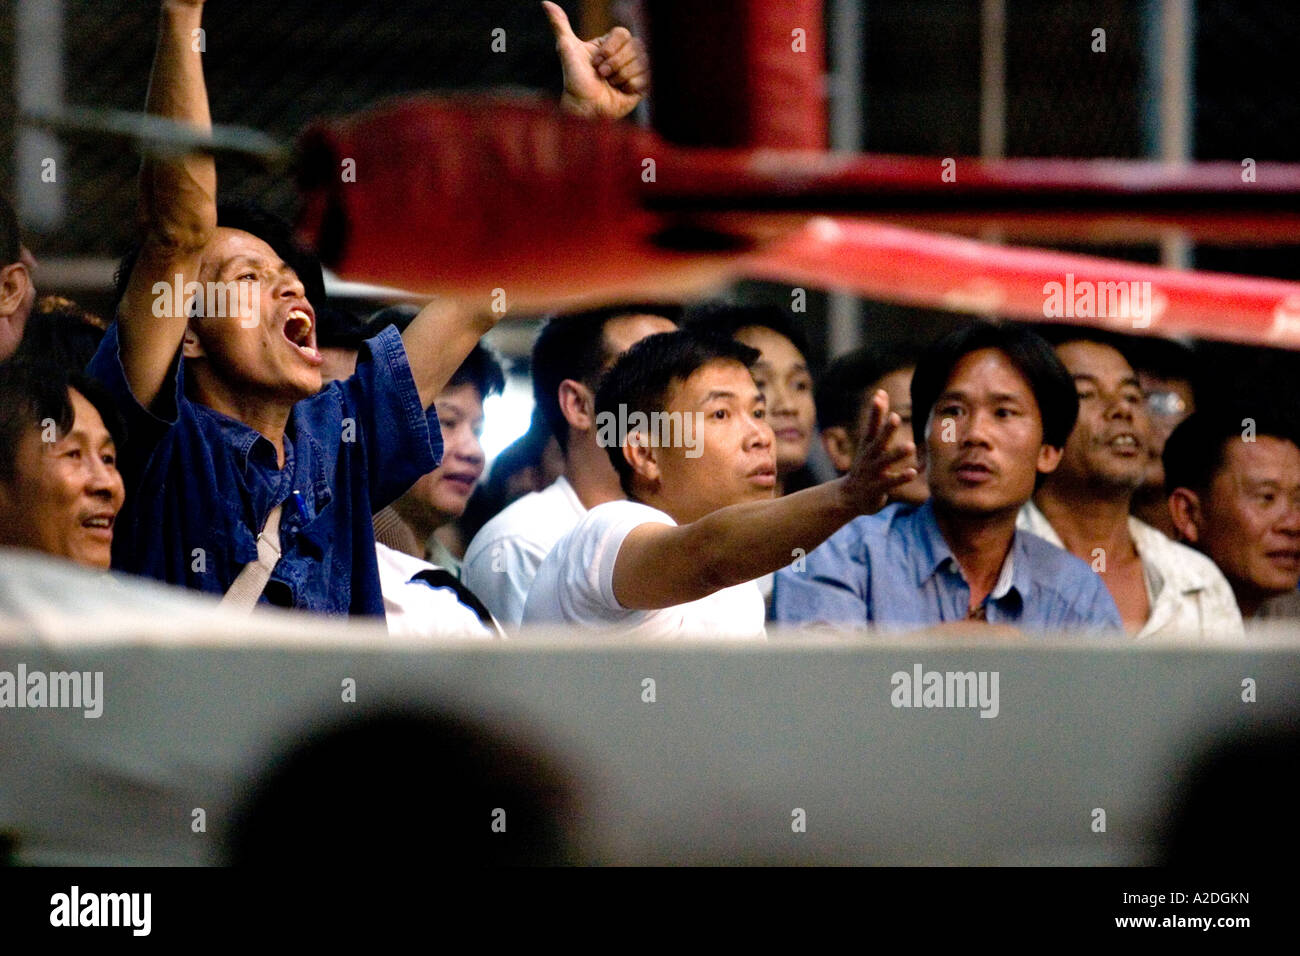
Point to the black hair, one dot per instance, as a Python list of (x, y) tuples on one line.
[(338, 328), (572, 346), (1053, 388), (33, 393), (11, 240), (1057, 334), (60, 332), (641, 378), (1169, 359), (257, 221), (729, 319), (481, 367), (1197, 448), (843, 388)]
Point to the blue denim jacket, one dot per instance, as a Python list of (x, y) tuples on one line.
[(200, 484)]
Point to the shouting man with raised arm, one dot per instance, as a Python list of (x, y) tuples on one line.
[(241, 466), (683, 422)]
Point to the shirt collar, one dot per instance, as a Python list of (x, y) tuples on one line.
[(936, 556)]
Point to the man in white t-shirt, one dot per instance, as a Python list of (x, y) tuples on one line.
[(571, 354), (683, 423)]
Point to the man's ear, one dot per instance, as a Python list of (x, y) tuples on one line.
[(577, 405), (1185, 510), (644, 459), (15, 283), (1048, 458), (839, 447), (191, 346)]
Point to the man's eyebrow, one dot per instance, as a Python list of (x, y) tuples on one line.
[(234, 260), (719, 393)]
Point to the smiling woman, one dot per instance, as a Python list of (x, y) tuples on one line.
[(60, 490)]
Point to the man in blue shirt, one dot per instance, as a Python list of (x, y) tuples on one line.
[(992, 409), (213, 361)]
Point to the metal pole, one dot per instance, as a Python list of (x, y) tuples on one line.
[(38, 81), (846, 34)]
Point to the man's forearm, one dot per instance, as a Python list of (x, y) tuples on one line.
[(666, 566), (178, 195), (438, 340), (746, 541)]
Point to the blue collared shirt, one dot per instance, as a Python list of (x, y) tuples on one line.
[(200, 484), (894, 570)]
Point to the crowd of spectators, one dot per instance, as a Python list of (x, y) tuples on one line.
[(273, 448)]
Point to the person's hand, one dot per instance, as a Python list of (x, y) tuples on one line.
[(875, 471), (605, 77)]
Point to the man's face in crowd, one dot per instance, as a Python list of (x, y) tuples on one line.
[(441, 495), (1249, 518), (782, 375), (270, 347), (65, 494), (984, 441), (1169, 401), (733, 459), (1107, 448)]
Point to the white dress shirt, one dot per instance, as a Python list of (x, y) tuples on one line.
[(1189, 597)]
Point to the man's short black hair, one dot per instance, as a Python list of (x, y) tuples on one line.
[(31, 393), (842, 389), (1197, 448), (642, 377), (729, 319), (11, 240), (1053, 388), (1057, 334), (572, 346), (481, 367), (1169, 359), (255, 220)]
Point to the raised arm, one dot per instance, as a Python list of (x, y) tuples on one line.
[(605, 77), (660, 565), (439, 339), (177, 208)]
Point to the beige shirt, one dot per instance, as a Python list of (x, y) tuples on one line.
[(1190, 598)]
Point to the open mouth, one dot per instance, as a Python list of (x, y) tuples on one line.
[(1124, 444), (100, 525), (300, 330)]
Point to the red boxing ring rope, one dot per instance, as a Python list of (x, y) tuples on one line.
[(462, 194)]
